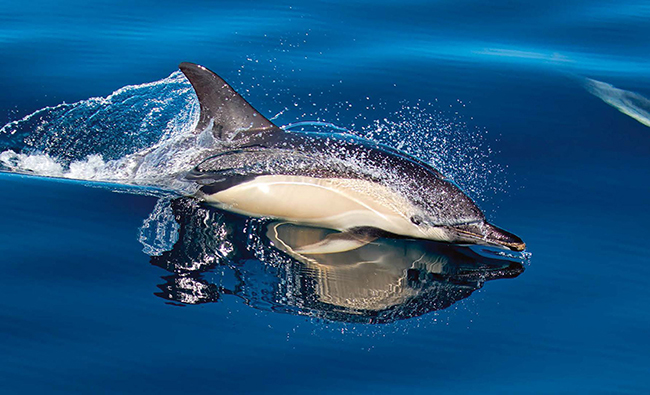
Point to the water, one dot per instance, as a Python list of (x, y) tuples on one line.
[(537, 110)]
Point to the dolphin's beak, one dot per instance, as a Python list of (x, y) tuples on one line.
[(486, 233)]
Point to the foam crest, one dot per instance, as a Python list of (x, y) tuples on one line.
[(41, 164)]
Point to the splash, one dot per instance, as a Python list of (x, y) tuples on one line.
[(447, 142), (126, 137), (144, 135), (159, 232)]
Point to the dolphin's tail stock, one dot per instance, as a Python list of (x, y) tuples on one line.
[(223, 110)]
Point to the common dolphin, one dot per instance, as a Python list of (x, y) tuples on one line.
[(336, 181)]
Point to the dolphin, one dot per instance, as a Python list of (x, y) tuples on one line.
[(341, 182)]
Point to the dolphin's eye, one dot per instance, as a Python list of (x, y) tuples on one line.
[(416, 219)]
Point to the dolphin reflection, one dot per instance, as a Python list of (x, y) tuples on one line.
[(273, 266)]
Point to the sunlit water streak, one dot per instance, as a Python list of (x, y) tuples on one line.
[(627, 102)]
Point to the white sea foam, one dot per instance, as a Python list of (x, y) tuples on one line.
[(40, 164)]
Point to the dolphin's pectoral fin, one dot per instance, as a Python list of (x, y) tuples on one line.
[(337, 242), (225, 110)]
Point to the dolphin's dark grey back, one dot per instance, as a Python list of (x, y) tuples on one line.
[(222, 108)]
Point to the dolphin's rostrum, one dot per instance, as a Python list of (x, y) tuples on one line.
[(335, 181)]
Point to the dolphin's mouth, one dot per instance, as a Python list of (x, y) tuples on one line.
[(489, 234)]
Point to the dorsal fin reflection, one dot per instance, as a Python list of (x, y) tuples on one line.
[(283, 267)]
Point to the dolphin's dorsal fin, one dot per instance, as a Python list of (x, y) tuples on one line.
[(222, 109)]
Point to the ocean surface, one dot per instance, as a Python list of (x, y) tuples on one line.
[(115, 281)]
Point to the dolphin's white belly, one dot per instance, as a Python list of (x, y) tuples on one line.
[(334, 203)]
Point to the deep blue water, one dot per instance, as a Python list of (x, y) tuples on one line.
[(494, 94)]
